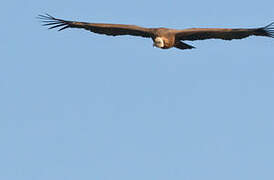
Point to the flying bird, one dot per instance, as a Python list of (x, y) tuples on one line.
[(163, 38)]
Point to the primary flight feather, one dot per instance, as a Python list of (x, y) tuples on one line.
[(164, 38)]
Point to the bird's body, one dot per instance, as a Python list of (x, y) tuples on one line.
[(163, 38)]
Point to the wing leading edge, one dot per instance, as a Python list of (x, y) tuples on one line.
[(100, 28), (222, 33)]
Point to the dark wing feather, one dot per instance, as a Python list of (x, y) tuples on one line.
[(100, 28), (225, 34)]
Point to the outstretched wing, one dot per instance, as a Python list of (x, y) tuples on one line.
[(100, 28), (225, 34)]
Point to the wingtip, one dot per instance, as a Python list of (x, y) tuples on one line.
[(46, 17), (65, 27), (269, 25), (48, 20), (269, 29), (49, 15)]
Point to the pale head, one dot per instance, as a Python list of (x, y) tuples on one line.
[(158, 42)]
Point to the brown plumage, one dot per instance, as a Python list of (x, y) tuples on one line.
[(162, 37)]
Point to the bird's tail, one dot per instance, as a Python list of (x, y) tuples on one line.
[(181, 45), (266, 31)]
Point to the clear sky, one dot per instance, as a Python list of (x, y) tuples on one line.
[(77, 105)]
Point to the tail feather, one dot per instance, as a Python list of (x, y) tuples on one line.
[(182, 45)]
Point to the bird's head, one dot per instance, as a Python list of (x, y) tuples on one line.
[(158, 42)]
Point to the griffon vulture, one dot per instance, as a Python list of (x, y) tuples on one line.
[(164, 38)]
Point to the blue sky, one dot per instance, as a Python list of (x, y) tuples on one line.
[(77, 105)]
